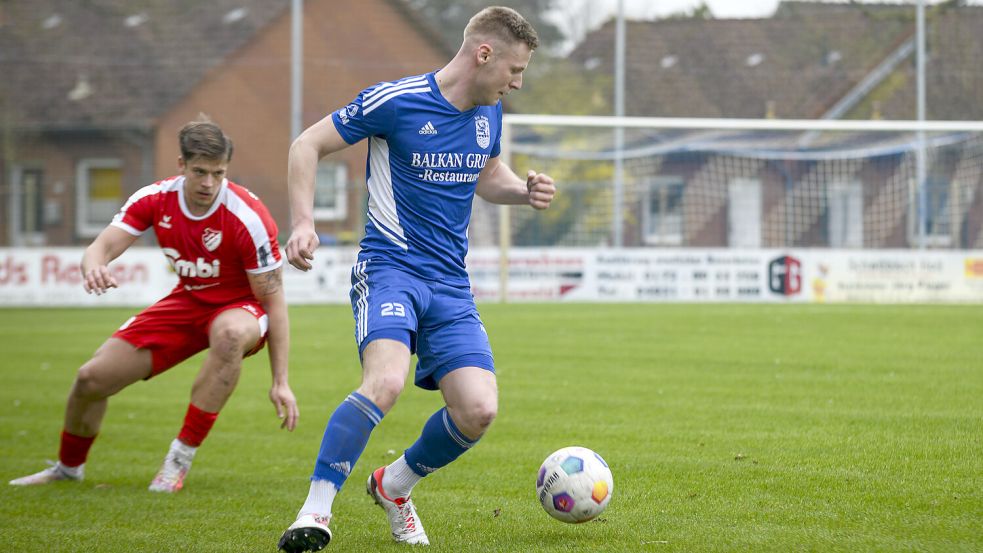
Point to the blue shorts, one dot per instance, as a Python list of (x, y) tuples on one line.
[(439, 323)]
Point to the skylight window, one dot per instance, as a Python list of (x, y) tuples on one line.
[(82, 90), (754, 59), (51, 22), (234, 15), (668, 61), (136, 20)]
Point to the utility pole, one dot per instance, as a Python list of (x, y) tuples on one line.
[(296, 67), (619, 130)]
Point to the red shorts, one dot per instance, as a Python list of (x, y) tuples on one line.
[(176, 327)]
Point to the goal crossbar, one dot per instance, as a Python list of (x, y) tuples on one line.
[(742, 124)]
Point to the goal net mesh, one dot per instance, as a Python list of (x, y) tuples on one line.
[(744, 188)]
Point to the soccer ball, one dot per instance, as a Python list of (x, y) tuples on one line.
[(574, 484)]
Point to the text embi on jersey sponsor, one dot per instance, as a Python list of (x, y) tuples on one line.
[(200, 268)]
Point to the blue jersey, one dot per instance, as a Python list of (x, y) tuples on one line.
[(422, 169)]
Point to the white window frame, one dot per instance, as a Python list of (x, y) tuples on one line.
[(18, 237), (340, 209), (84, 228), (745, 210), (933, 239), (670, 232), (845, 214)]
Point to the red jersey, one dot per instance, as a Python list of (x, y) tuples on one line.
[(210, 253)]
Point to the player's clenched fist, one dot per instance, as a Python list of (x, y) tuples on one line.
[(541, 189), (301, 246)]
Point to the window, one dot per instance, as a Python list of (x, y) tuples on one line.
[(663, 214), (845, 215), (99, 188), (938, 212), (934, 206), (744, 213), (331, 191), (26, 210)]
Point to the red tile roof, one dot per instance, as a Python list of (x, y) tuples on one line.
[(115, 63)]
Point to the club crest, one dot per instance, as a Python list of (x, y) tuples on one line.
[(347, 112), (482, 131), (211, 239)]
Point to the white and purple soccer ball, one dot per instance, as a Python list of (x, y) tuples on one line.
[(574, 484)]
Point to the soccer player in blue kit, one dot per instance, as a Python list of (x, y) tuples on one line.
[(433, 143)]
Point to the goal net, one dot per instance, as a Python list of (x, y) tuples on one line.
[(638, 182)]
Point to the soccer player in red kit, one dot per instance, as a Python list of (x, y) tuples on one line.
[(221, 242)]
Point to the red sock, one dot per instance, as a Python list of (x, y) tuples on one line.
[(197, 424), (74, 449)]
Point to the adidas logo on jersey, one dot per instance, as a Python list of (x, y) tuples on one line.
[(428, 129)]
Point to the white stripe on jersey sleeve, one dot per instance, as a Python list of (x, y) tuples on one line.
[(149, 190), (257, 230), (127, 228), (391, 95), (386, 86), (382, 199)]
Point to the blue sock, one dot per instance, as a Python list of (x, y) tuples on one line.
[(439, 444), (345, 438)]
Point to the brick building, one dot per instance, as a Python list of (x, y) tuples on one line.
[(92, 95)]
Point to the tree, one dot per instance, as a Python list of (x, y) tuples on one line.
[(702, 11)]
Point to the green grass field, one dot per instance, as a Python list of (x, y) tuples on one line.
[(727, 428)]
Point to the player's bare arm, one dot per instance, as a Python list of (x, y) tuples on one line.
[(268, 289), (267, 284), (110, 244), (319, 140), (498, 184)]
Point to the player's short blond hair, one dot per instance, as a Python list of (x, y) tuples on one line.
[(502, 23), (205, 139)]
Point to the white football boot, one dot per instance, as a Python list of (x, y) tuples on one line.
[(177, 463), (405, 524), (309, 532), (55, 472)]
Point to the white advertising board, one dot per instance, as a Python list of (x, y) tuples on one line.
[(731, 275), (50, 276)]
